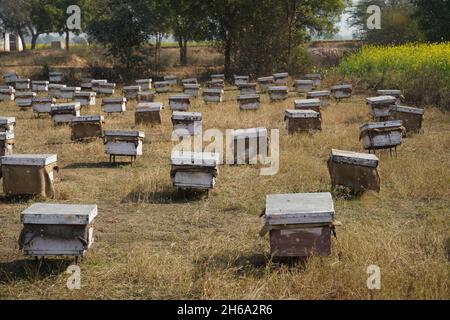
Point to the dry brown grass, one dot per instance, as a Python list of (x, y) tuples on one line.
[(152, 244)]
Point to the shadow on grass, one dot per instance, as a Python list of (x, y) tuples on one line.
[(5, 199), (30, 269), (165, 196), (96, 165)]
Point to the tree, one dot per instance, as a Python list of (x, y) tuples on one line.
[(14, 16), (434, 18), (40, 19)]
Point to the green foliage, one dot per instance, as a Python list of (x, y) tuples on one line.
[(434, 18)]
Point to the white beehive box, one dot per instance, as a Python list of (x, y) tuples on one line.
[(57, 229), (179, 103), (381, 135), (7, 93), (265, 83), (145, 84), (281, 78), (194, 170), (323, 95), (212, 95), (42, 105), (192, 90), (189, 81), (63, 113), (187, 123), (302, 120), (308, 104), (106, 88), (146, 96), (393, 93), (39, 86), (249, 101), (148, 113), (22, 84), (249, 144), (7, 124), (114, 105), (68, 92), (123, 143), (303, 86), (247, 88), (172, 80), (278, 93), (239, 80), (10, 78), (7, 140), (162, 86), (342, 91), (85, 98), (131, 92), (24, 99), (315, 77), (380, 107), (55, 77), (54, 89)]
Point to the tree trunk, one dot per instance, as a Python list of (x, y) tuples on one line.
[(22, 38), (34, 38), (185, 53), (67, 39), (228, 58), (180, 46)]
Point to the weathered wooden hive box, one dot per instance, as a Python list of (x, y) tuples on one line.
[(411, 118), (85, 98), (187, 123), (249, 144), (68, 92), (39, 86), (172, 80), (106, 88), (148, 113), (308, 104), (393, 93), (249, 101), (179, 102), (57, 229), (131, 92), (87, 127), (22, 84), (29, 174), (238, 80), (146, 96), (123, 143), (95, 83), (162, 86), (7, 124), (55, 77), (323, 95), (189, 81), (25, 99), (342, 91), (7, 140), (216, 83), (42, 104), (381, 135), (54, 89), (212, 95), (63, 113), (380, 107), (315, 77), (281, 78), (265, 83), (278, 93), (7, 93), (114, 105), (191, 89), (86, 83), (357, 171), (218, 76), (247, 88), (302, 120), (194, 170), (303, 86), (10, 78), (145, 84), (299, 224)]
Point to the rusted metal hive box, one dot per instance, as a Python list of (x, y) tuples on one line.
[(85, 98), (42, 104), (87, 127), (247, 88), (249, 101), (7, 140), (131, 92), (57, 229), (302, 120), (380, 107), (114, 105), (146, 84), (29, 174), (162, 86), (323, 95), (342, 91), (278, 93), (68, 92), (213, 95), (249, 144), (308, 104), (303, 86), (39, 86), (281, 78), (124, 143), (381, 135), (63, 113), (357, 171), (238, 80), (299, 224), (55, 77), (187, 123), (24, 99), (191, 89), (179, 102), (148, 113), (146, 96), (411, 118), (265, 83), (7, 93)]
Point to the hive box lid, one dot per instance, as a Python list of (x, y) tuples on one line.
[(313, 76), (144, 81), (341, 86), (248, 85), (43, 99), (114, 100), (66, 106), (149, 106), (248, 133), (217, 75), (57, 214), (107, 84), (408, 109), (22, 80), (189, 80), (94, 118), (295, 113), (241, 77), (381, 100), (248, 97), (162, 83), (262, 79), (191, 86), (125, 133), (389, 92), (318, 93), (132, 88), (299, 208), (55, 73), (307, 102), (204, 159), (303, 81), (215, 91), (7, 89), (144, 93), (29, 159), (180, 115), (56, 86), (27, 94), (380, 125), (85, 94), (39, 82), (170, 77), (356, 158), (180, 97), (278, 88), (7, 135), (70, 88), (98, 81), (281, 75), (7, 120)]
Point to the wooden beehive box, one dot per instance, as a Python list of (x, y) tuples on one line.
[(7, 93), (191, 89), (10, 78), (380, 107), (357, 171), (281, 78), (381, 135), (55, 77), (22, 84), (238, 80), (54, 89), (179, 102), (299, 224), (114, 105), (106, 88), (172, 80), (123, 143), (189, 81), (393, 93), (249, 101), (39, 86), (187, 123), (87, 127), (212, 95), (95, 83), (131, 92), (308, 104), (85, 98), (278, 93), (145, 84), (247, 88), (29, 174), (315, 77), (265, 83), (86, 83), (25, 99), (218, 76), (63, 113), (216, 84), (148, 113), (7, 140), (249, 144), (302, 120), (342, 91), (7, 124), (146, 96), (303, 86), (162, 86), (57, 229), (323, 95), (194, 170), (411, 118), (42, 104), (68, 92)]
